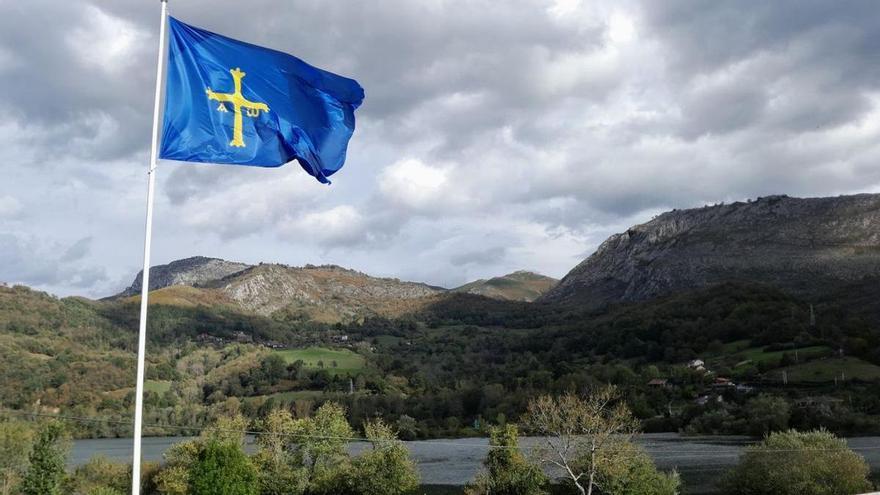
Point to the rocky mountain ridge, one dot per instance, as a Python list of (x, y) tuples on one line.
[(326, 293), (803, 246), (194, 271)]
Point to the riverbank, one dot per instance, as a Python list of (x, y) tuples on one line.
[(448, 464)]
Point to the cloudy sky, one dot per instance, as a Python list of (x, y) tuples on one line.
[(495, 136)]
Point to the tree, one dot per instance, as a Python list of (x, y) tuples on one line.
[(274, 368), (387, 468), (579, 433), (407, 428), (99, 473), (223, 469), (281, 471), (15, 445), (507, 470), (181, 458), (798, 463), (384, 470), (173, 479), (323, 437), (767, 413), (45, 471), (628, 470)]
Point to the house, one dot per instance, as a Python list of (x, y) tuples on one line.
[(721, 382), (697, 364)]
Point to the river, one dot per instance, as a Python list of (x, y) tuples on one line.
[(699, 459)]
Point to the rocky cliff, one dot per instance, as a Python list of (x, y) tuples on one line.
[(324, 293), (194, 271), (804, 246)]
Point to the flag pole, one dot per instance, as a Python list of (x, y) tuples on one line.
[(145, 278)]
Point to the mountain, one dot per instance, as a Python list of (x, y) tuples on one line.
[(193, 271), (803, 246), (325, 293), (516, 286)]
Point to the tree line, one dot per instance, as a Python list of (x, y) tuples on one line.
[(586, 447)]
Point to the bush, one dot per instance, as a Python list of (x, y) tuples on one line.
[(45, 472), (507, 470), (767, 413), (15, 445), (630, 471), (223, 469), (798, 463), (99, 473), (384, 470), (387, 469)]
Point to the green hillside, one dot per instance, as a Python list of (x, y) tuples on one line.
[(461, 361)]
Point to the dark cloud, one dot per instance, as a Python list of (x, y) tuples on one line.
[(494, 136), (78, 250), (31, 261), (480, 257)]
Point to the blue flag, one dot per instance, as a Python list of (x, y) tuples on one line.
[(227, 101)]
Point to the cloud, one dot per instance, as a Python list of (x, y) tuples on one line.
[(481, 257), (77, 251), (414, 185), (31, 261), (494, 136), (341, 225), (9, 207)]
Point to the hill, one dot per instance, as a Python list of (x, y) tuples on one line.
[(516, 286), (806, 247), (326, 293)]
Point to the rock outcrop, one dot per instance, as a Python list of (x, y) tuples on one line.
[(804, 246), (193, 272)]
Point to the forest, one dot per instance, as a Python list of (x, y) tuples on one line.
[(769, 362)]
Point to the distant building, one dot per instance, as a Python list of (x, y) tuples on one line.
[(721, 382), (659, 383), (697, 364)]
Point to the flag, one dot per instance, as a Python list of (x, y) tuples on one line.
[(227, 101)]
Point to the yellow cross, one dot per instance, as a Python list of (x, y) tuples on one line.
[(238, 102)]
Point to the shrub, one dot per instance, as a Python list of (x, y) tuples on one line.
[(15, 445), (223, 469), (630, 471), (507, 470), (99, 473), (45, 472), (798, 463)]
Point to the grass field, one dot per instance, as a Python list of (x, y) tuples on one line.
[(289, 396), (740, 353), (346, 360), (758, 354), (826, 370), (158, 386)]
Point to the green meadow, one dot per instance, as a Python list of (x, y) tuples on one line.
[(322, 357)]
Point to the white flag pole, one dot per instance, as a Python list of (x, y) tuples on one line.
[(145, 278)]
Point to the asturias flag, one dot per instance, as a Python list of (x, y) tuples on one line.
[(227, 101)]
